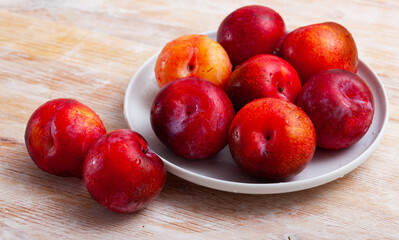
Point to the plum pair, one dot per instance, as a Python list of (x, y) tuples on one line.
[(254, 30), (66, 138), (195, 119)]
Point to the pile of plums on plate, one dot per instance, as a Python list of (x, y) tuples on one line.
[(288, 92), (271, 95)]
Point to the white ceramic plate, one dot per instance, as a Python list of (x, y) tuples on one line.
[(220, 172)]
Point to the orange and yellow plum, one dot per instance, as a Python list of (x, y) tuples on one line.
[(193, 56)]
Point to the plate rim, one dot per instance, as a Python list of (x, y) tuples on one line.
[(265, 188)]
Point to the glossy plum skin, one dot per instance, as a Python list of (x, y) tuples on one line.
[(122, 173), (58, 135), (341, 107), (192, 117), (193, 56), (263, 76), (314, 48), (272, 139), (249, 31)]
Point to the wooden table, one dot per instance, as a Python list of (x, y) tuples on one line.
[(89, 50)]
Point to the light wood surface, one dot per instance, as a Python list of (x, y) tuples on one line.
[(89, 50)]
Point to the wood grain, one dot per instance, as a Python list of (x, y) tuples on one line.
[(89, 50)]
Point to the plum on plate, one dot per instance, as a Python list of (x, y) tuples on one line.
[(249, 31), (272, 139), (262, 76), (341, 106), (317, 47), (193, 55), (192, 117)]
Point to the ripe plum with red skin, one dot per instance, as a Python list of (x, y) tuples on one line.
[(317, 47), (341, 106), (272, 139), (122, 173), (58, 135), (192, 117), (249, 31), (262, 76)]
